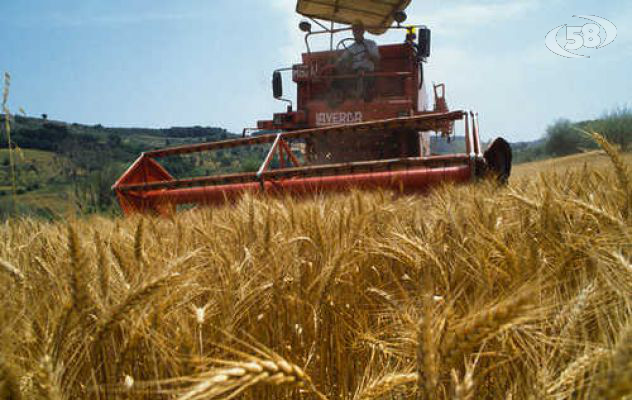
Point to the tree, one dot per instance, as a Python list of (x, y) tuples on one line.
[(114, 140), (250, 164), (616, 126), (563, 138)]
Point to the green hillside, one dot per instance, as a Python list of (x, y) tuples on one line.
[(67, 168)]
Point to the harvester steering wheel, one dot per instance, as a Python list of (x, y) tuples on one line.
[(346, 48), (343, 43), (331, 65)]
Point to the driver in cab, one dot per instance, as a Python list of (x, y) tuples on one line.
[(362, 56)]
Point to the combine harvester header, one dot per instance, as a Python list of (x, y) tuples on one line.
[(353, 129)]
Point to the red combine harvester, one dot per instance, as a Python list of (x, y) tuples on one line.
[(335, 140)]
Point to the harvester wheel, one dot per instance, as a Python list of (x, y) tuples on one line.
[(498, 159)]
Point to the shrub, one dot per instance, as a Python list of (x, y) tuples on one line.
[(616, 126), (564, 138)]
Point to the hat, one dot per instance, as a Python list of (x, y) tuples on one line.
[(358, 23)]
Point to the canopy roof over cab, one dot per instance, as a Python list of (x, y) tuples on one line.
[(377, 15)]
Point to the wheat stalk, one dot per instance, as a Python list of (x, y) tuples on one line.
[(468, 336), (103, 269), (336, 290), (7, 130), (386, 384), (569, 315), (463, 390), (124, 270), (576, 370), (78, 273), (623, 174), (597, 212), (12, 270), (427, 354), (48, 380), (139, 237), (228, 383), (134, 300)]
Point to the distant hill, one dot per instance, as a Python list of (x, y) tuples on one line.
[(69, 166), (44, 134)]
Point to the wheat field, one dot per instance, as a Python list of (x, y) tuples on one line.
[(473, 292)]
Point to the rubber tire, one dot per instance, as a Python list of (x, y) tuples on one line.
[(498, 160)]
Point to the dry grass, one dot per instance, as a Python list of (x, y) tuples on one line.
[(474, 292)]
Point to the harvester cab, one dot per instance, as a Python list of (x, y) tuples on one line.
[(328, 94), (349, 128), (398, 76)]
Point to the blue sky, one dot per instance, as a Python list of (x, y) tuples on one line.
[(208, 62)]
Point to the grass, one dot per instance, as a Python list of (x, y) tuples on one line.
[(30, 155), (31, 165), (36, 167), (474, 292)]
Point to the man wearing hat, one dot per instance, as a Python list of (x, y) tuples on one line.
[(361, 57)]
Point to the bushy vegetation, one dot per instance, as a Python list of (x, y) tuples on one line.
[(36, 133), (616, 126), (565, 137), (474, 292)]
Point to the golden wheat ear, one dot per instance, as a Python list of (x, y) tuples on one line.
[(576, 371), (103, 270), (139, 239), (135, 299), (49, 379), (463, 389), (467, 336), (427, 354), (79, 275), (12, 270), (260, 366), (7, 130), (387, 384), (620, 167)]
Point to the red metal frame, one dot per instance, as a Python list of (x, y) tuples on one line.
[(147, 186)]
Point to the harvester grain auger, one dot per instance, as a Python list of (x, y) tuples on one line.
[(335, 141)]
